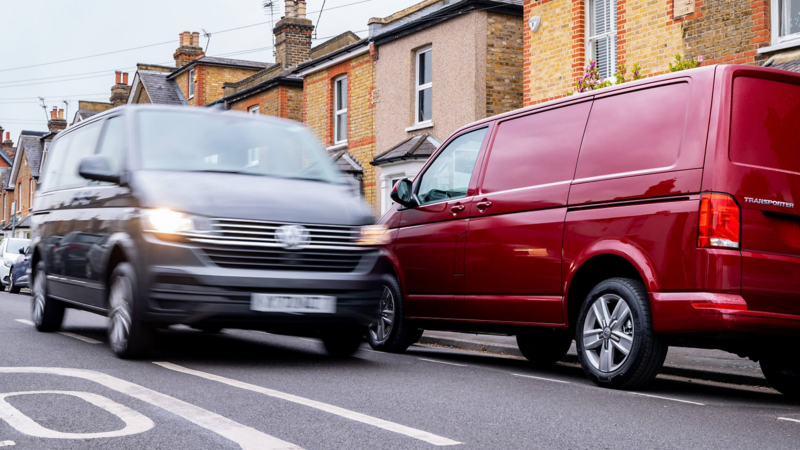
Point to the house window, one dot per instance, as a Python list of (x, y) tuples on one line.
[(5, 206), (785, 20), (19, 203), (424, 86), (602, 32), (253, 110), (340, 110), (30, 193), (191, 83)]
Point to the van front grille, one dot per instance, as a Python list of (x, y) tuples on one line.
[(247, 244)]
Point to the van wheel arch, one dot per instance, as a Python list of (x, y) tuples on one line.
[(593, 271)]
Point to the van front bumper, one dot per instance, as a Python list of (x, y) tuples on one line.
[(706, 312)]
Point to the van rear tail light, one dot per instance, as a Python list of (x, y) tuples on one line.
[(720, 222)]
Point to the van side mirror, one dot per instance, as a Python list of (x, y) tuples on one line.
[(401, 193), (97, 168), (22, 251)]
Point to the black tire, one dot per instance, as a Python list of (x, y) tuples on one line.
[(401, 334), (782, 370), (646, 351), (208, 329), (343, 343), (542, 347), (47, 314), (12, 288), (129, 335)]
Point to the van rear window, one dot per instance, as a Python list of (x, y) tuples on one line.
[(634, 131), (765, 123)]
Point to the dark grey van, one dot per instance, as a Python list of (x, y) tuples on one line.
[(157, 216)]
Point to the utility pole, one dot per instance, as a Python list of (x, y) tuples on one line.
[(271, 5), (66, 112), (206, 35)]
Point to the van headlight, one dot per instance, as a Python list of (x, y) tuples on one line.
[(163, 220), (374, 235)]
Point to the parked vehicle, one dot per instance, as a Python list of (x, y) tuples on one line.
[(654, 213), (157, 216), (20, 272), (11, 249)]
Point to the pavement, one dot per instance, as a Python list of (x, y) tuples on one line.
[(711, 365), (253, 390)]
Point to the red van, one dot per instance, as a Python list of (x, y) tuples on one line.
[(654, 213)]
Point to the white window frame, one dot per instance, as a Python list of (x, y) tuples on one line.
[(775, 19), (191, 83), (19, 202), (255, 110), (30, 194), (340, 112), (591, 38), (5, 206), (421, 87)]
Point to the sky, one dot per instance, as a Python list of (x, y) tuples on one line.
[(40, 32)]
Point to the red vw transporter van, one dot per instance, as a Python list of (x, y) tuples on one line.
[(654, 213)]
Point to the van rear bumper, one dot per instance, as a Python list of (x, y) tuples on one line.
[(703, 312)]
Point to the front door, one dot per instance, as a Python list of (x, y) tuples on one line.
[(431, 238)]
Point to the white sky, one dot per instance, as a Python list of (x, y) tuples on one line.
[(43, 31)]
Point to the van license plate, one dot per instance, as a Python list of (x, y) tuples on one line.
[(315, 304)]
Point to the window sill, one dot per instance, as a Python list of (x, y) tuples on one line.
[(420, 126), (339, 146), (782, 46)]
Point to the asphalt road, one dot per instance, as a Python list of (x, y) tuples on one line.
[(252, 390)]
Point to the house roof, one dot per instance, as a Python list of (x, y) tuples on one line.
[(83, 114), (333, 44), (32, 146), (792, 66), (160, 89), (346, 163), (215, 61), (430, 13), (6, 158), (330, 58), (416, 147), (6, 175)]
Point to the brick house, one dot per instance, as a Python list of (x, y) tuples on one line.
[(440, 65), (571, 32), (338, 107), (19, 183)]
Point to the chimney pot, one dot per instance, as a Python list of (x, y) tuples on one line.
[(301, 9), (196, 39), (119, 74), (291, 8), (53, 113), (8, 135), (125, 78), (61, 114)]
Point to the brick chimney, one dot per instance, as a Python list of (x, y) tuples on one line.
[(189, 49), (120, 90), (8, 146), (57, 121), (293, 35)]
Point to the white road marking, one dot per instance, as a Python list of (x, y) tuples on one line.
[(135, 422), (539, 378), (26, 322), (788, 419), (442, 362), (667, 398), (7, 443), (352, 415), (79, 337), (246, 437)]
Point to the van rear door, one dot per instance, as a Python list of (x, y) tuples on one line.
[(764, 175)]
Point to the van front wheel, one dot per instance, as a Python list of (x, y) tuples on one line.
[(617, 346), (390, 332)]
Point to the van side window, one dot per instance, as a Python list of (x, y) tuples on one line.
[(112, 144), (448, 176), (537, 149), (634, 131), (62, 167)]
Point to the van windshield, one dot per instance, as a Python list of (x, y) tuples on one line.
[(192, 142)]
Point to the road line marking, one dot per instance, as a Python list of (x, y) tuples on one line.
[(443, 362), (788, 419), (26, 322), (246, 437), (540, 378), (7, 443), (135, 422), (352, 415), (79, 337), (667, 398)]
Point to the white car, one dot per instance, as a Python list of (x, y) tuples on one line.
[(11, 249)]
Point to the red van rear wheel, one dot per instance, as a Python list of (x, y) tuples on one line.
[(617, 346), (544, 346), (391, 332), (783, 373)]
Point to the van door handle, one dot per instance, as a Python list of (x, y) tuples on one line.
[(457, 208), (483, 205)]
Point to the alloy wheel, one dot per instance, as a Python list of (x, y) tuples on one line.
[(120, 317), (608, 333), (382, 328), (39, 297)]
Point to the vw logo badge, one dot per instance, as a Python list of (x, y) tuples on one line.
[(293, 237)]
